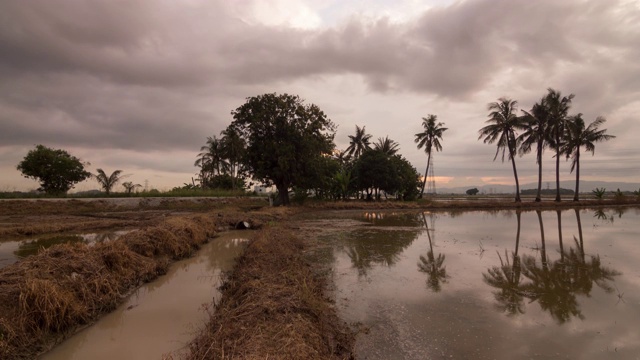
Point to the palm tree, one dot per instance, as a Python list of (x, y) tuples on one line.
[(502, 127), (233, 146), (535, 132), (558, 110), (359, 142), (577, 137), (210, 160), (107, 182), (129, 186), (429, 139), (387, 146), (432, 265)]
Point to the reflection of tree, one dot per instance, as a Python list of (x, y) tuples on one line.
[(506, 278), (432, 265), (554, 285), (28, 248), (367, 248)]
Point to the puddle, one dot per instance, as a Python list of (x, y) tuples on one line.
[(162, 316), (12, 251), (490, 285)]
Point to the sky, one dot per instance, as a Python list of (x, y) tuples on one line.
[(139, 85)]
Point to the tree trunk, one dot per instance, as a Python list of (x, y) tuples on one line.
[(575, 196), (581, 244), (518, 216), (283, 194), (558, 198), (515, 173), (543, 250), (426, 172), (560, 234), (538, 195)]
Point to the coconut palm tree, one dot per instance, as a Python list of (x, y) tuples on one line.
[(107, 182), (232, 147), (577, 137), (503, 124), (210, 160), (429, 139), (558, 112), (359, 142), (535, 132), (129, 186), (387, 146), (432, 265)]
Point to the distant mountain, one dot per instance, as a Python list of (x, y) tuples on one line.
[(585, 187)]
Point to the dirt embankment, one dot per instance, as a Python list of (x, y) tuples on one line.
[(273, 306)]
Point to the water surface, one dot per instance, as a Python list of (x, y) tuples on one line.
[(490, 285)]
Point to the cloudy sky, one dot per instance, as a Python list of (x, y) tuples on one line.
[(139, 85)]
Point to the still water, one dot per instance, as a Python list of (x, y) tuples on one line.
[(161, 317), (12, 250), (480, 285)]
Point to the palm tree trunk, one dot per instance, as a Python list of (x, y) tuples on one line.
[(560, 234), (539, 155), (515, 173), (518, 215), (543, 250), (575, 196), (558, 198), (581, 245), (426, 172)]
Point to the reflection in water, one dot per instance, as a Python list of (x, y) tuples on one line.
[(28, 248), (506, 277), (432, 265), (382, 247), (553, 285)]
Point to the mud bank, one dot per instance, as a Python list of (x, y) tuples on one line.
[(273, 306)]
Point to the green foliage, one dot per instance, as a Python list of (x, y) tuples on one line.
[(130, 186), (618, 195), (56, 170), (637, 193), (285, 140), (107, 182), (599, 193), (375, 170), (473, 191)]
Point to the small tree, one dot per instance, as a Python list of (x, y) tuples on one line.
[(56, 170), (473, 191), (108, 182), (130, 186)]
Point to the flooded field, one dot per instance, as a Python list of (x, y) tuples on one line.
[(162, 316), (488, 285), (14, 250)]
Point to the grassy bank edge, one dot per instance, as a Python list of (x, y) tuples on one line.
[(273, 306)]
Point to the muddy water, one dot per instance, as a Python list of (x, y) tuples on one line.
[(12, 251), (478, 285), (162, 316)]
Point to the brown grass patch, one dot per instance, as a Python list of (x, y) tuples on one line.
[(273, 306)]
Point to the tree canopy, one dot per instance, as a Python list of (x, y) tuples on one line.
[(56, 170), (285, 139)]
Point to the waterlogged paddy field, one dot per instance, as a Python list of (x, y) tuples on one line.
[(480, 285), (160, 317)]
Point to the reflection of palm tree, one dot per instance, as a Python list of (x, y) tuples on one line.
[(506, 278), (432, 265), (366, 249)]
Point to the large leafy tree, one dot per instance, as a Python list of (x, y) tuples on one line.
[(56, 170), (535, 134), (501, 129), (558, 115), (579, 136), (429, 139), (358, 143), (285, 138), (107, 182)]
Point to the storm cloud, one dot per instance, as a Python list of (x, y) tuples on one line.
[(140, 84)]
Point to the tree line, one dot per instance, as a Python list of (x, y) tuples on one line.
[(547, 125)]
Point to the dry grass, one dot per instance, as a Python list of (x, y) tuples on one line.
[(273, 307), (50, 295)]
